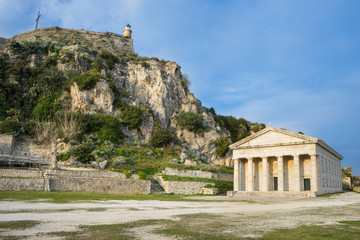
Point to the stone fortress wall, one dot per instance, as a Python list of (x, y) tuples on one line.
[(72, 181), (113, 42)]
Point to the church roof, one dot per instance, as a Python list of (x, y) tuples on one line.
[(301, 139)]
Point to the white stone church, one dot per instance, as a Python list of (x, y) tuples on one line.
[(279, 162)]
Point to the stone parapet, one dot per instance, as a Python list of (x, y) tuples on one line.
[(16, 173)]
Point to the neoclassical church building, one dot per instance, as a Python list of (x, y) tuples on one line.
[(275, 161)]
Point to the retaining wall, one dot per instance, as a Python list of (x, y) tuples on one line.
[(198, 173), (73, 181)]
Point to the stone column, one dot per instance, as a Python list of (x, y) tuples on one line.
[(314, 172), (265, 175), (236, 175), (297, 173), (280, 173), (242, 175), (250, 178)]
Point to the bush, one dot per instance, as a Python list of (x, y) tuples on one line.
[(185, 83), (82, 152), (64, 157), (67, 56), (110, 59), (127, 174), (46, 107), (105, 150), (109, 129), (9, 127), (119, 162), (142, 175), (191, 121), (132, 117), (98, 64), (161, 138), (88, 80), (222, 146)]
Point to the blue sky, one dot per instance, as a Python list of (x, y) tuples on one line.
[(294, 63)]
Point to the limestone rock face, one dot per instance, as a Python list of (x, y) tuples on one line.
[(156, 88), (98, 99)]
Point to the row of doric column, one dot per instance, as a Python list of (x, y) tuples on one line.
[(239, 169)]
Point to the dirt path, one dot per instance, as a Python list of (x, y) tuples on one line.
[(69, 216)]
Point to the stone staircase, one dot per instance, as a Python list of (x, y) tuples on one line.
[(156, 187)]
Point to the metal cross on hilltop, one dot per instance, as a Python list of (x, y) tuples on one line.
[(37, 20)]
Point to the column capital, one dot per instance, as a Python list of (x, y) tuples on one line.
[(264, 157), (314, 155), (282, 156)]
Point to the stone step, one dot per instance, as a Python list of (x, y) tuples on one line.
[(156, 188)]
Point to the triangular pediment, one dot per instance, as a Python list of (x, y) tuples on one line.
[(273, 136)]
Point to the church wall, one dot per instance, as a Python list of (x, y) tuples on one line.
[(330, 171)]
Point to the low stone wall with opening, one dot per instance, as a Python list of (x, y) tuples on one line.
[(186, 188)]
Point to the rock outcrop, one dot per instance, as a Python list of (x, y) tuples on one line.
[(155, 86)]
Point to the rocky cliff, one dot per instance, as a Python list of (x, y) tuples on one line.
[(104, 75)]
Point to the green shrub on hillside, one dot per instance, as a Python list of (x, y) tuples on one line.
[(132, 117), (46, 107), (161, 138), (67, 56), (82, 152), (9, 127), (110, 59), (98, 64), (110, 128), (222, 146), (191, 121), (185, 83), (27, 48), (87, 80)]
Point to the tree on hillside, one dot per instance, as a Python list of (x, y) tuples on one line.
[(64, 126)]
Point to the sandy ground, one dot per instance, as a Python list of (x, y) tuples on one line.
[(270, 212)]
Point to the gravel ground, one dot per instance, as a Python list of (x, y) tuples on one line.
[(255, 215)]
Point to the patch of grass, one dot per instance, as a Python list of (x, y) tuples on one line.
[(329, 195), (65, 197), (96, 209), (18, 225), (108, 231), (347, 230)]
